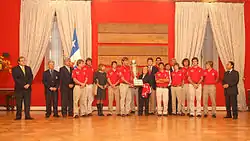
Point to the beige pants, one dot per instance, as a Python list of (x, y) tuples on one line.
[(114, 93), (177, 92), (125, 101), (152, 101), (162, 95), (134, 94), (80, 98), (186, 97), (209, 90), (195, 93), (90, 97)]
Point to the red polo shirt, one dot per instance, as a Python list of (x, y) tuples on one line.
[(113, 75), (210, 77), (162, 75), (90, 74), (79, 74), (184, 71), (125, 72), (195, 73), (177, 78)]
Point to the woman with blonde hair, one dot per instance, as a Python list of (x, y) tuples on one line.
[(100, 79)]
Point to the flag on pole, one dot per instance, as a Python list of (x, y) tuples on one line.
[(75, 51)]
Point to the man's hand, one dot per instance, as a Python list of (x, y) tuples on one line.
[(82, 85), (26, 86), (225, 86), (54, 88), (131, 85), (71, 85), (51, 88)]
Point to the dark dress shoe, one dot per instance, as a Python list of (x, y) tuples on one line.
[(228, 117), (165, 115), (235, 117), (213, 116), (18, 118), (205, 115), (182, 114), (159, 115), (123, 115), (118, 115), (56, 116), (29, 118), (139, 114), (109, 114), (47, 116), (64, 116), (188, 114), (70, 115)]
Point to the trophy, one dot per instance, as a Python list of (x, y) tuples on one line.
[(137, 82)]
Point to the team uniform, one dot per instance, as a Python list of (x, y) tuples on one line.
[(162, 92), (114, 76), (186, 89), (79, 94), (195, 74), (209, 89), (125, 90), (89, 87), (177, 91)]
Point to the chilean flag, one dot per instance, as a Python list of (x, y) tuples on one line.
[(75, 52)]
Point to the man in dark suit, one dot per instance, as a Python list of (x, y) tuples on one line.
[(51, 84), (66, 88), (23, 78), (152, 70), (230, 82)]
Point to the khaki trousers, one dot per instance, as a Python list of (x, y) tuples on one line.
[(162, 95), (125, 101), (134, 94), (80, 98), (90, 97), (177, 92), (195, 93), (186, 97), (152, 101), (209, 90), (114, 93)]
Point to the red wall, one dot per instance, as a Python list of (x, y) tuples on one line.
[(102, 12)]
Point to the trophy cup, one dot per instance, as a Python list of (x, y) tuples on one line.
[(137, 82)]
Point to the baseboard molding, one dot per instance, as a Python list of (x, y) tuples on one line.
[(42, 108)]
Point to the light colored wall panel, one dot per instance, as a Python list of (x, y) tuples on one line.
[(133, 28), (132, 50), (132, 38)]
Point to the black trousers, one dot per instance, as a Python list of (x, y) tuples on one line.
[(231, 101), (67, 101), (51, 96), (143, 102), (24, 95)]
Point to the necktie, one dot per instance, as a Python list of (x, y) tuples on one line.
[(23, 69), (149, 69)]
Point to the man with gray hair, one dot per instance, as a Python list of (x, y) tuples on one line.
[(66, 88), (51, 83)]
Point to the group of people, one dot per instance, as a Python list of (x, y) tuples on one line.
[(166, 89)]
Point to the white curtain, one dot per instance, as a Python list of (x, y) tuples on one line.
[(35, 27), (77, 14), (227, 20), (190, 27)]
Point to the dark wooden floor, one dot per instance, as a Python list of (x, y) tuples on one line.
[(131, 128)]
